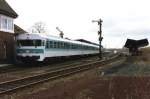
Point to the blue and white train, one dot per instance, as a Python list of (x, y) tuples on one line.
[(38, 47)]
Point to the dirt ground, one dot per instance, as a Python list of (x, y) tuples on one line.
[(92, 85)]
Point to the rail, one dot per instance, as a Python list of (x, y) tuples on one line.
[(12, 85)]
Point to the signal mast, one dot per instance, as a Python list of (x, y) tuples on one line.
[(61, 32)]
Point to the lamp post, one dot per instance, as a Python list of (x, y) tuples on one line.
[(100, 36)]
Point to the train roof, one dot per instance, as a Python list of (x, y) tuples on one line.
[(44, 36), (86, 41)]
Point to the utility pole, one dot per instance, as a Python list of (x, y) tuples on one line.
[(100, 36)]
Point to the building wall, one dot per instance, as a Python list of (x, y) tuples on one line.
[(6, 47)]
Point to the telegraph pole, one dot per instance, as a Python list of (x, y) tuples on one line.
[(100, 36)]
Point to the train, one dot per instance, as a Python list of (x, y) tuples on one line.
[(40, 46)]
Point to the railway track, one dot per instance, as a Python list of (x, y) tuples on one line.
[(14, 68), (12, 85), (20, 68)]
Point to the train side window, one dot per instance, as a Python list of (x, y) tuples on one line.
[(55, 44), (83, 47), (65, 45), (78, 46), (62, 45), (43, 43), (74, 47), (51, 44), (71, 46), (68, 45), (46, 44), (59, 44)]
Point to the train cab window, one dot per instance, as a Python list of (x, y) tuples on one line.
[(29, 42), (37, 42)]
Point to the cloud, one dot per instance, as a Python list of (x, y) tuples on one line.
[(121, 18), (139, 25)]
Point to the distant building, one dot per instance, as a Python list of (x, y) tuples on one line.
[(7, 32)]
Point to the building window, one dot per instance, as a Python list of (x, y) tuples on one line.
[(6, 24), (10, 24)]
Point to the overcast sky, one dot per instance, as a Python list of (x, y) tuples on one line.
[(122, 19)]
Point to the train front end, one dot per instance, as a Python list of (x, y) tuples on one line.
[(30, 47)]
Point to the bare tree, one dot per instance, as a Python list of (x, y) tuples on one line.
[(39, 27)]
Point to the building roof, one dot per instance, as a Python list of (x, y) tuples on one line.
[(18, 30), (7, 10), (131, 43)]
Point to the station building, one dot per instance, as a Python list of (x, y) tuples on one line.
[(8, 31)]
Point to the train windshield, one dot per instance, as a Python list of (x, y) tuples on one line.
[(29, 43)]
